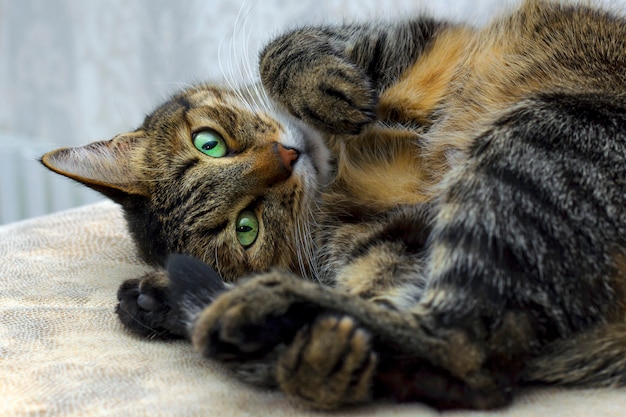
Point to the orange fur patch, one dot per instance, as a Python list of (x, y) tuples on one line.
[(382, 169), (427, 83)]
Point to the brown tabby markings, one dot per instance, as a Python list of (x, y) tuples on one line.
[(471, 240)]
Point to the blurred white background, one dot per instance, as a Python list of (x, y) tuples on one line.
[(75, 71)]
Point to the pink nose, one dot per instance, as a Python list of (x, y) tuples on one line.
[(288, 156)]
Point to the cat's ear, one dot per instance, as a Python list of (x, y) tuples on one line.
[(110, 167)]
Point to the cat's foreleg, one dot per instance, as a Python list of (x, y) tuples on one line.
[(330, 77)]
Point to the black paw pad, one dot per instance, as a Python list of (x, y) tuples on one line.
[(142, 309)]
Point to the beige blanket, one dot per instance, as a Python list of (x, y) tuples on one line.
[(64, 353)]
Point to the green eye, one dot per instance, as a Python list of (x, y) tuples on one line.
[(247, 228), (210, 143)]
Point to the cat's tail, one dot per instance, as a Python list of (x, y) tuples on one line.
[(595, 358)]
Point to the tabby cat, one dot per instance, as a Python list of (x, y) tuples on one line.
[(421, 210)]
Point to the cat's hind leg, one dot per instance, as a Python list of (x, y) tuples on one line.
[(329, 347)]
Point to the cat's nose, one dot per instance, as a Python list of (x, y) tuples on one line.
[(273, 163), (288, 156)]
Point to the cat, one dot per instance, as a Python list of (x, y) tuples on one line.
[(413, 210)]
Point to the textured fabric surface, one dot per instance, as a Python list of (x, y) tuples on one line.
[(63, 352)]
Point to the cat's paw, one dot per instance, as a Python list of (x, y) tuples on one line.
[(162, 304), (143, 307), (318, 86), (329, 364), (249, 321), (275, 328)]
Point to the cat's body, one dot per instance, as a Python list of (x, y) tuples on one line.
[(468, 227)]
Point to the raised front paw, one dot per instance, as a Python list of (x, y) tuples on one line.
[(317, 85), (277, 330)]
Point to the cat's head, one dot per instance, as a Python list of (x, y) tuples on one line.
[(210, 173)]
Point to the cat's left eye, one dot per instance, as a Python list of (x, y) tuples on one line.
[(210, 143), (247, 228)]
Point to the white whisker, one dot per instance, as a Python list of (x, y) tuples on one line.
[(305, 249), (217, 264)]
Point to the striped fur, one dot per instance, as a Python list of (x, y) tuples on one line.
[(459, 192)]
